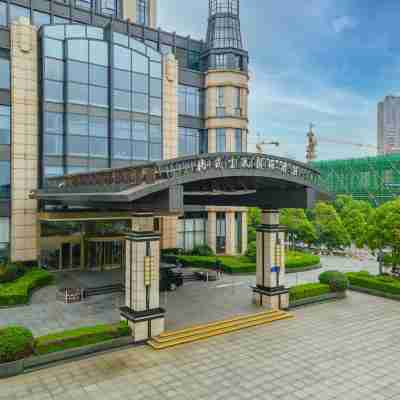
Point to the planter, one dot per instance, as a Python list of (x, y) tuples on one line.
[(303, 269), (317, 299), (373, 292), (11, 369), (33, 362)]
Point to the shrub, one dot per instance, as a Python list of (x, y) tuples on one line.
[(337, 281), (307, 290), (204, 251), (15, 343), (252, 251), (385, 284), (11, 272), (80, 337), (18, 292), (299, 259)]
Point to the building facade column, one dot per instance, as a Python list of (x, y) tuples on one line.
[(212, 230), (270, 290), (231, 245), (142, 276)]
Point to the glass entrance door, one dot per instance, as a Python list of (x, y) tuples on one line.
[(104, 255)]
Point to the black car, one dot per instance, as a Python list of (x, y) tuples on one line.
[(170, 277)]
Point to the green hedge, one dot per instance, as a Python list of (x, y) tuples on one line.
[(80, 337), (243, 264), (18, 292), (15, 343), (307, 290), (385, 284), (337, 280)]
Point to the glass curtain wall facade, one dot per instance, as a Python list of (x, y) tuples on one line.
[(102, 96), (192, 231)]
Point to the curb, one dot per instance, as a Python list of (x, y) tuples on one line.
[(317, 299), (373, 292)]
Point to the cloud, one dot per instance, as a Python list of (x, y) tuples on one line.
[(344, 23)]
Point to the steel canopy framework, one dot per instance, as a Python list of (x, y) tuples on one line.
[(374, 179)]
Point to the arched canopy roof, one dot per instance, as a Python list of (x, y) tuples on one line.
[(229, 179)]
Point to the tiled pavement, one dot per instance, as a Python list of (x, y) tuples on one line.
[(343, 350), (195, 302)]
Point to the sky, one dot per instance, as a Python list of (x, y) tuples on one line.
[(328, 62)]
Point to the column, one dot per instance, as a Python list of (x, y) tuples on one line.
[(230, 248), (244, 232), (270, 290), (142, 273), (212, 230)]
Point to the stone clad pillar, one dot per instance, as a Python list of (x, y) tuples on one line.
[(270, 290), (212, 230), (142, 275), (230, 232)]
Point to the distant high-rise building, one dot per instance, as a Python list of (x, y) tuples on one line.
[(389, 125)]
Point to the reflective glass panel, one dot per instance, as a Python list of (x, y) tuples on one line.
[(50, 171), (5, 177), (78, 72), (136, 45), (155, 151), (78, 145), (77, 124), (140, 103), (4, 73), (53, 122), (75, 31), (98, 52), (78, 93), (122, 129), (54, 69), (17, 11), (139, 130), (40, 19), (122, 100), (53, 145), (120, 39), (53, 48), (155, 133), (94, 33), (122, 79), (140, 150), (122, 149), (78, 50), (60, 20), (5, 125), (122, 58), (140, 63), (53, 91), (155, 70), (155, 106), (153, 54), (98, 126), (140, 83), (56, 32), (3, 14), (98, 75), (98, 96), (98, 147), (155, 87)]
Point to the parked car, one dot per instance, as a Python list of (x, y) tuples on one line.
[(170, 277)]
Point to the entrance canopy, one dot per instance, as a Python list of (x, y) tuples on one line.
[(234, 179)]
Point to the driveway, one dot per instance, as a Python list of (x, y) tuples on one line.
[(344, 350)]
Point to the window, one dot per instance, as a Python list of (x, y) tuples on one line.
[(78, 145), (139, 131), (140, 150), (221, 140), (189, 142), (220, 61), (78, 50), (78, 94), (83, 4), (220, 102), (53, 48), (237, 102), (155, 70), (98, 96), (53, 145), (155, 142), (140, 83), (53, 91), (140, 63), (98, 126), (122, 79), (204, 141), (98, 147), (221, 232), (98, 75), (189, 100), (4, 237), (16, 12), (5, 178), (60, 20), (238, 141), (109, 7), (40, 19), (122, 149), (122, 58), (5, 125), (155, 106), (3, 14), (140, 103), (98, 53), (77, 124), (4, 73), (192, 231), (53, 122), (155, 87), (142, 12), (122, 100), (53, 69)]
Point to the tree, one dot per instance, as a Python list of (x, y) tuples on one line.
[(384, 229), (253, 220), (329, 226), (298, 225)]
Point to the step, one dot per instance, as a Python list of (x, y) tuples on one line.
[(170, 339)]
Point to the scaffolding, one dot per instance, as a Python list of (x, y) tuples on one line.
[(374, 179)]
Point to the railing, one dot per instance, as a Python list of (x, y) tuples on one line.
[(150, 173)]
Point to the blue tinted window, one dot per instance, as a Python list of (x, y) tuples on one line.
[(78, 50), (140, 103), (140, 83), (155, 87), (17, 12), (54, 69), (40, 19), (75, 31), (122, 129), (221, 141), (98, 52), (55, 32), (77, 124), (4, 73), (155, 133), (53, 145), (5, 125), (98, 126), (94, 33), (155, 106), (78, 145), (122, 100), (60, 20), (78, 93), (83, 4), (155, 151), (122, 58), (122, 149), (140, 130), (78, 71), (155, 70), (53, 91), (120, 39), (3, 14), (98, 147), (98, 96), (5, 177), (140, 150), (53, 122), (98, 75), (53, 48), (140, 63), (122, 79)]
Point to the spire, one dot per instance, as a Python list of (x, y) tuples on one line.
[(224, 25)]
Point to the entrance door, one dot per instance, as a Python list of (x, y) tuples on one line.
[(104, 255), (221, 233)]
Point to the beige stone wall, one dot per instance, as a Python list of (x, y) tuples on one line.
[(153, 14), (24, 141), (169, 236)]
